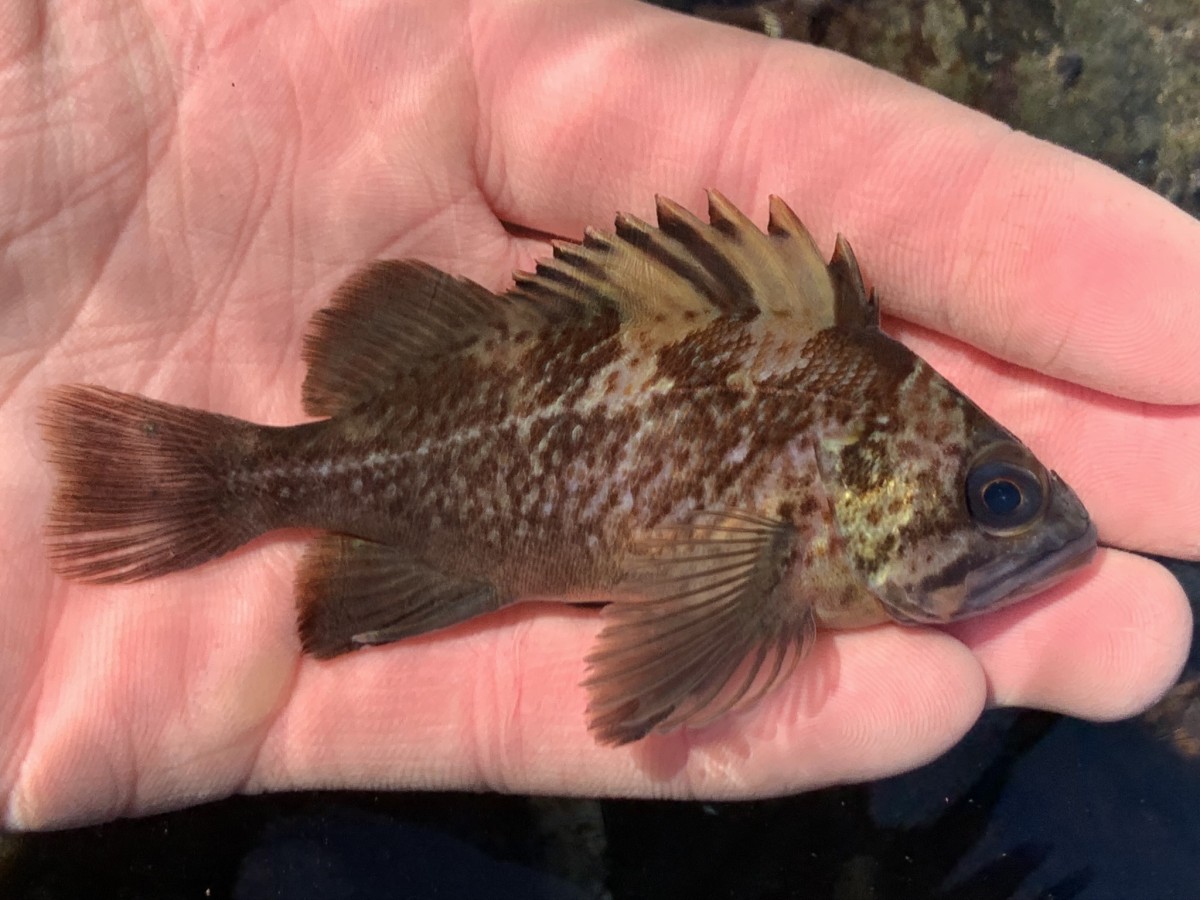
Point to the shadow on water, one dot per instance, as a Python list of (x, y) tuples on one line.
[(828, 844)]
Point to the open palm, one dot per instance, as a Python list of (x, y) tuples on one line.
[(182, 186)]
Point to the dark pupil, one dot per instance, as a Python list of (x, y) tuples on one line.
[(1001, 497)]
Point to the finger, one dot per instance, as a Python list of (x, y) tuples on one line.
[(1023, 249), (502, 709), (1131, 463), (1103, 647)]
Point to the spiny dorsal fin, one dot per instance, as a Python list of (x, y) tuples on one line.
[(395, 315), (853, 307), (691, 271)]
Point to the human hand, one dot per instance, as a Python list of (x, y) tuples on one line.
[(182, 186)]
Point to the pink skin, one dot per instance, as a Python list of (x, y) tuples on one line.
[(182, 185)]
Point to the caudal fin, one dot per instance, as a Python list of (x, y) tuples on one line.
[(144, 488)]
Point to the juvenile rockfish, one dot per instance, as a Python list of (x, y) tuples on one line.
[(700, 422)]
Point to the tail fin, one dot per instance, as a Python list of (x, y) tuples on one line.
[(144, 488)]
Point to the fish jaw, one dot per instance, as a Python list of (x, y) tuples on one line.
[(1069, 545)]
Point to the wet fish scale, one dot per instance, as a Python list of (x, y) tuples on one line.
[(699, 422)]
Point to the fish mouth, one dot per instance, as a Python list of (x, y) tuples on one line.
[(1039, 561), (984, 593)]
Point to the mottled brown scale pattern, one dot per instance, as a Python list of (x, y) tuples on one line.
[(562, 364), (541, 485), (706, 356)]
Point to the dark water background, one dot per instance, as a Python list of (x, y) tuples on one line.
[(1029, 805)]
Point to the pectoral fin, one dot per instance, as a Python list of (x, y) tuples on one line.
[(352, 593), (709, 628)]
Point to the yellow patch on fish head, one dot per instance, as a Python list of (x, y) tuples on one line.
[(943, 513)]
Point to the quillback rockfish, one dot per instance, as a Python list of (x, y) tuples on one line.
[(699, 422)]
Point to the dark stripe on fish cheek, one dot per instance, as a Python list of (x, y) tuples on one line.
[(944, 590)]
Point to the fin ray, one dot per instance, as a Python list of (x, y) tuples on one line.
[(672, 655), (142, 485), (853, 307), (396, 315)]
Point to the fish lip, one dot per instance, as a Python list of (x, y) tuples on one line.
[(1008, 588)]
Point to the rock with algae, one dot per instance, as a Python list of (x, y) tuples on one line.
[(1116, 80)]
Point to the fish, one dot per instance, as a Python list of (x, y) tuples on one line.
[(699, 427)]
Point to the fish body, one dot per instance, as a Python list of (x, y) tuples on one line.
[(699, 422)]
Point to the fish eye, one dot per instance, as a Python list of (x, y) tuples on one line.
[(1006, 492)]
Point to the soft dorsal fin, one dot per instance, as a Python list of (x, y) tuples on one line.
[(692, 271), (396, 315)]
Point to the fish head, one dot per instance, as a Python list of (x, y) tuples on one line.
[(943, 513)]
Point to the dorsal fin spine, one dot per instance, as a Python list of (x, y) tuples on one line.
[(670, 253), (679, 223), (853, 307), (727, 218)]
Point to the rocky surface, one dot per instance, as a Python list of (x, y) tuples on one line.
[(1116, 80)]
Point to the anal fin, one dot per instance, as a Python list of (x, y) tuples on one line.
[(352, 593)]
